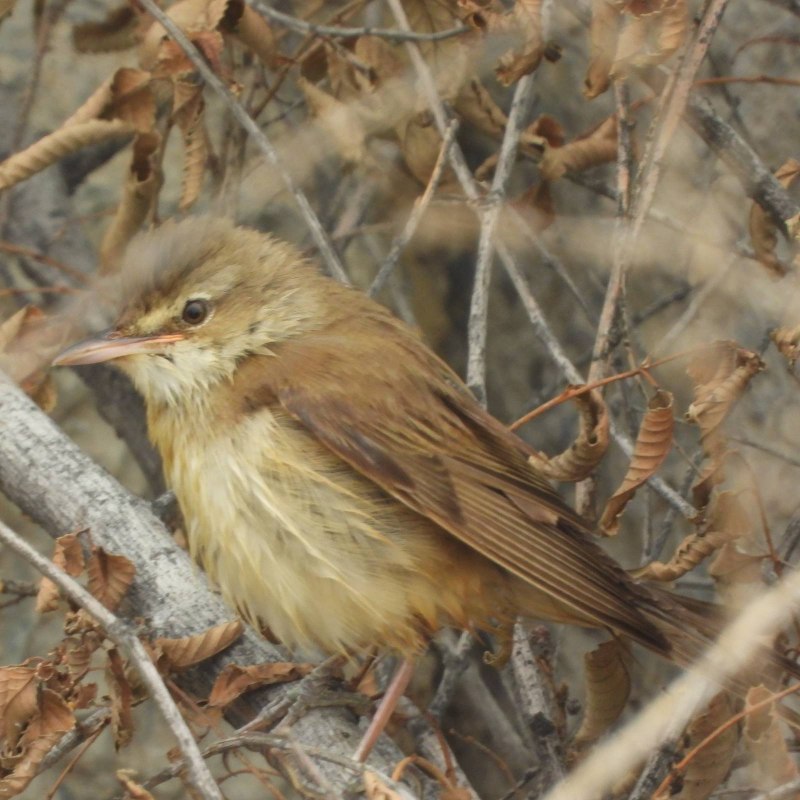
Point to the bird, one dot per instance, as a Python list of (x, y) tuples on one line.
[(339, 482)]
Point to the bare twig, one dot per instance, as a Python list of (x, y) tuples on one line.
[(479, 306), (260, 139), (303, 26), (198, 773), (417, 212), (535, 315), (758, 181), (455, 662), (675, 99), (537, 706)]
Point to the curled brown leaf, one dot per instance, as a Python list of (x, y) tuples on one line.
[(234, 680), (765, 740), (764, 231), (339, 121), (189, 114), (251, 29), (727, 522), (608, 686), (121, 699), (598, 146), (710, 765), (109, 576), (585, 453), (56, 145), (26, 767), (133, 790), (138, 200), (68, 555), (787, 340), (721, 374), (652, 33), (603, 32), (177, 654), (119, 30), (651, 448)]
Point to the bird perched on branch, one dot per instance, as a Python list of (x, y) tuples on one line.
[(338, 481)]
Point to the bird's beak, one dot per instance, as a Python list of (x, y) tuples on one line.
[(109, 345)]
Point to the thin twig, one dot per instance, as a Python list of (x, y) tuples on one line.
[(456, 660), (417, 212), (304, 26), (535, 315), (676, 97), (479, 306), (260, 139), (198, 774), (536, 704)]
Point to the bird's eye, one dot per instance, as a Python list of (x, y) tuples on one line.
[(195, 311)]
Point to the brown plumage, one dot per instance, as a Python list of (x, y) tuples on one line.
[(338, 480)]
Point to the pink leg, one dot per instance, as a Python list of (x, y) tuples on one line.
[(390, 699)]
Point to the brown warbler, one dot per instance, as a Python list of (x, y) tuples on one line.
[(338, 481)]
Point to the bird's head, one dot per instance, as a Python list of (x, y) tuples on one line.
[(198, 296)]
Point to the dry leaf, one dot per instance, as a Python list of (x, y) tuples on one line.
[(251, 29), (652, 446), (584, 454), (608, 686), (26, 349), (56, 145), (449, 60), (52, 715), (764, 231), (711, 765), (27, 767), (109, 576), (67, 555), (133, 790), (121, 700), (120, 30), (139, 195), (728, 521), (189, 650), (189, 109), (338, 120), (234, 680), (6, 7), (721, 374), (787, 340), (476, 107), (765, 740), (18, 686), (376, 789), (603, 33), (599, 146), (650, 36)]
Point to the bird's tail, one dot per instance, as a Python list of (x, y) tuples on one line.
[(693, 626)]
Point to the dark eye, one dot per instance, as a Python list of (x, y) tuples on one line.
[(195, 311)]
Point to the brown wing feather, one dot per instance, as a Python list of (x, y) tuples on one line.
[(414, 429)]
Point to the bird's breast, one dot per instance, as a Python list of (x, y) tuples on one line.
[(300, 542)]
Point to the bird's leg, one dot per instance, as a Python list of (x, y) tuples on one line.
[(391, 697)]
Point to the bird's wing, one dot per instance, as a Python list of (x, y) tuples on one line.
[(413, 428)]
